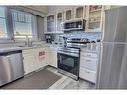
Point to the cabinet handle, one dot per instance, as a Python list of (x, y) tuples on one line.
[(88, 60)]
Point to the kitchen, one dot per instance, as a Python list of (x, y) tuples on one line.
[(60, 47)]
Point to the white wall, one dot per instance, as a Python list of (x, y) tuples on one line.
[(43, 9), (36, 10), (54, 9)]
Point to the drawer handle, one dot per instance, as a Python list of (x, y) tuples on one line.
[(88, 60)]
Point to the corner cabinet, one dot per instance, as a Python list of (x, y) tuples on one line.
[(34, 59)]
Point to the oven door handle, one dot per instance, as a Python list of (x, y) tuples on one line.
[(60, 59), (70, 54)]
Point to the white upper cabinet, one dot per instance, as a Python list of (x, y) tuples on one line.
[(68, 14), (80, 12), (51, 27), (95, 18), (59, 20)]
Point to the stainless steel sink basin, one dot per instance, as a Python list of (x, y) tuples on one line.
[(25, 46), (30, 46)]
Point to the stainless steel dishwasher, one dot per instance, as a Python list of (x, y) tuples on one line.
[(11, 66)]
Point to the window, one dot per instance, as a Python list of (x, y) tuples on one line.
[(17, 24), (22, 24), (3, 27)]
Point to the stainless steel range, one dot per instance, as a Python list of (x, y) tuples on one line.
[(69, 56)]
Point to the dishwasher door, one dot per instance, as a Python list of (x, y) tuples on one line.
[(11, 67)]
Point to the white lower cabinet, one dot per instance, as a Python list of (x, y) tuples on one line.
[(87, 75), (29, 63), (89, 63), (32, 60), (88, 66), (52, 57), (40, 55)]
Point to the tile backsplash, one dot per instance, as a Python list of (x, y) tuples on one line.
[(79, 34), (82, 34)]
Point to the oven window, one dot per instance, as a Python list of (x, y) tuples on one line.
[(69, 61)]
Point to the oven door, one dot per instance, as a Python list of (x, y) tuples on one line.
[(68, 63)]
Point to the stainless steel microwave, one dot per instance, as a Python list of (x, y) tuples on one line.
[(74, 25)]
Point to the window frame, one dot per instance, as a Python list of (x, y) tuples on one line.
[(5, 39), (10, 32), (33, 26)]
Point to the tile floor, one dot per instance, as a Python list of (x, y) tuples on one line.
[(69, 83), (65, 82)]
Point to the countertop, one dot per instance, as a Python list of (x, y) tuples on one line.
[(43, 45), (15, 48), (8, 49)]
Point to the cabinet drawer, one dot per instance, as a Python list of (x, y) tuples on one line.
[(89, 63), (87, 75), (93, 55)]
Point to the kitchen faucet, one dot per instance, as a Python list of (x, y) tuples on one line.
[(28, 43)]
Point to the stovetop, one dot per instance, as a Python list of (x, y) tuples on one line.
[(69, 49)]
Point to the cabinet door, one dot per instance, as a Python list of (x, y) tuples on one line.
[(53, 58), (59, 20), (69, 13), (80, 12), (95, 18), (47, 55), (88, 75), (29, 63), (51, 27), (40, 57), (89, 63)]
